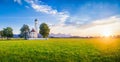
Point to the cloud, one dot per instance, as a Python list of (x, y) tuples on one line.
[(105, 21), (18, 1), (76, 20), (95, 28), (44, 8), (41, 8), (110, 20), (61, 16), (91, 11)]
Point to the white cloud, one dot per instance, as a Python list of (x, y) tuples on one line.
[(43, 8), (94, 28), (105, 21), (61, 16), (18, 1), (110, 20)]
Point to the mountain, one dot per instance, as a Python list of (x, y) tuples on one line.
[(15, 35), (59, 35)]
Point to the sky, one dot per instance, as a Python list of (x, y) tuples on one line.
[(74, 17)]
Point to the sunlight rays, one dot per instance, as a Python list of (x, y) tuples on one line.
[(107, 32)]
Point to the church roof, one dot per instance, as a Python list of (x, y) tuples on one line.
[(32, 30)]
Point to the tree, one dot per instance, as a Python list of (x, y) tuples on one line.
[(44, 30), (24, 31), (7, 32), (1, 33)]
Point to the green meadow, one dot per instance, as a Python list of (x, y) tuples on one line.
[(61, 50)]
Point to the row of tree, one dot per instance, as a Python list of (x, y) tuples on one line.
[(8, 31)]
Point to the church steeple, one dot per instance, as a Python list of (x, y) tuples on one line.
[(36, 26)]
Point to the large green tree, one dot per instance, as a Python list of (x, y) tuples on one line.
[(1, 33), (7, 32), (44, 30), (24, 31)]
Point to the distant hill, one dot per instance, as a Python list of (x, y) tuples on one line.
[(15, 35), (59, 35)]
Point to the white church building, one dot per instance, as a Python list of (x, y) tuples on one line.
[(34, 32)]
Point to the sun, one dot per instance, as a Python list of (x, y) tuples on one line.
[(106, 33)]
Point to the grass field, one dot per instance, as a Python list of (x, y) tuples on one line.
[(60, 50)]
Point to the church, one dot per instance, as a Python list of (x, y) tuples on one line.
[(34, 32)]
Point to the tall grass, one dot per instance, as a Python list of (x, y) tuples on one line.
[(60, 50)]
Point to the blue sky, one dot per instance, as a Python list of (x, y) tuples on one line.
[(75, 17)]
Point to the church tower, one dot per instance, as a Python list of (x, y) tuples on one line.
[(36, 27)]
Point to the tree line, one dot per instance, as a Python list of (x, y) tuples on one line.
[(8, 31)]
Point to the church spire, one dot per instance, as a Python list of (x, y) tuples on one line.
[(36, 26)]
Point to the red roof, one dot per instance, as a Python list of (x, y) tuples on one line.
[(32, 30)]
